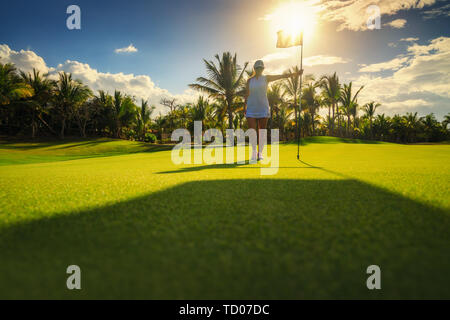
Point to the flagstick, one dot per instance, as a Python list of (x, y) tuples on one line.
[(300, 101)]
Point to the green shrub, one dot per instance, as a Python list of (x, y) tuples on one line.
[(150, 137)]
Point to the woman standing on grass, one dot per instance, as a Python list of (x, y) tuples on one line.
[(257, 105)]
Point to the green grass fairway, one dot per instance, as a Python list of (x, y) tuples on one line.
[(141, 227)]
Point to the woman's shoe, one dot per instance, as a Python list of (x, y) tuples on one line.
[(260, 156)]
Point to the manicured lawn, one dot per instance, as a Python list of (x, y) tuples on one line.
[(141, 227)]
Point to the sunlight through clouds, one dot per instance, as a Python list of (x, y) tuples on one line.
[(352, 14), (280, 61), (420, 78)]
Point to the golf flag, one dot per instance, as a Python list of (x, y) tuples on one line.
[(286, 40)]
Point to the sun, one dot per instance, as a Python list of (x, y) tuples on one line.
[(294, 17)]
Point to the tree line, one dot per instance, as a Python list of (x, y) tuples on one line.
[(34, 105)]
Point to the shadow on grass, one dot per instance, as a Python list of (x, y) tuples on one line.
[(235, 239), (89, 143), (331, 140), (9, 145), (16, 144), (228, 166), (142, 147), (88, 154), (60, 144)]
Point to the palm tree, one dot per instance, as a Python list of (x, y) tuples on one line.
[(291, 86), (219, 110), (275, 95), (69, 94), (117, 107), (349, 103), (239, 118), (103, 110), (398, 128), (412, 124), (124, 112), (369, 110), (341, 126), (11, 85), (332, 92), (224, 81), (144, 116), (430, 124), (38, 102), (200, 111), (312, 102), (283, 117), (182, 114), (382, 125), (316, 121), (446, 121), (161, 122), (12, 89)]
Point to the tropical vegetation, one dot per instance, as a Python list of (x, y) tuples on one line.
[(34, 105)]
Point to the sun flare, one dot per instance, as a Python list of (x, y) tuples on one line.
[(295, 17)]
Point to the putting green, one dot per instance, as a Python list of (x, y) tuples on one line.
[(141, 227)]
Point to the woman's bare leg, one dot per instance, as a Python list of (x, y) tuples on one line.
[(262, 134), (252, 123)]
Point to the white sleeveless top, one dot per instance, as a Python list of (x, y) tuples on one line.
[(257, 102)]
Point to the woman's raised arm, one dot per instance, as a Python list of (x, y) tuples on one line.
[(271, 78)]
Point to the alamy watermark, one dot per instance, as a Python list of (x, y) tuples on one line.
[(74, 280), (190, 151), (374, 280), (374, 20), (73, 22)]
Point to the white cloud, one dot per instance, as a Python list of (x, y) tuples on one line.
[(405, 104), (25, 60), (393, 64), (139, 86), (323, 60), (279, 62), (276, 56), (409, 39), (443, 11), (420, 83), (129, 49), (352, 15), (397, 23)]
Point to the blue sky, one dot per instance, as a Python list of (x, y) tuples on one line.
[(172, 38)]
